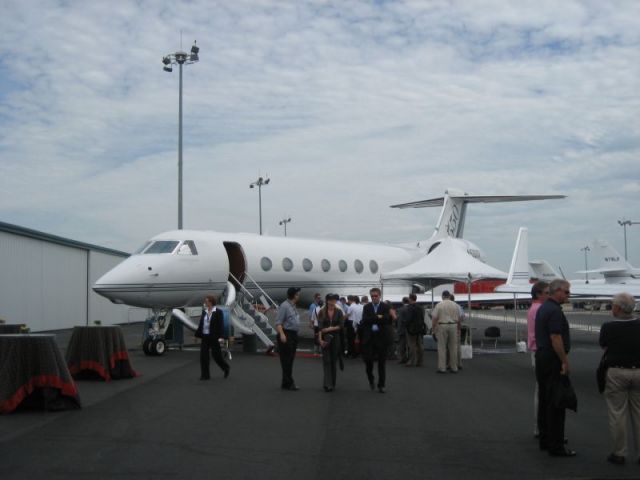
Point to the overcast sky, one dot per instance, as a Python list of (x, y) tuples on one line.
[(348, 106)]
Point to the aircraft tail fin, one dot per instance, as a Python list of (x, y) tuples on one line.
[(610, 259), (454, 208), (542, 270), (519, 269)]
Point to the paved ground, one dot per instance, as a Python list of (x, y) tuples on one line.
[(167, 423)]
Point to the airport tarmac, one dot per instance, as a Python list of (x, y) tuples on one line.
[(167, 423)]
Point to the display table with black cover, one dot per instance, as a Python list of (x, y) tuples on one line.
[(33, 372), (99, 350)]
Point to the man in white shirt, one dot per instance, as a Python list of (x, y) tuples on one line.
[(446, 324), (354, 317)]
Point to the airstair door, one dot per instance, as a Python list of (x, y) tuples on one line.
[(237, 263)]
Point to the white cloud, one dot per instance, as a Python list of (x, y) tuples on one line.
[(348, 106)]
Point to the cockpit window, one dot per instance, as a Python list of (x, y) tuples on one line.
[(188, 247), (162, 246), (141, 249)]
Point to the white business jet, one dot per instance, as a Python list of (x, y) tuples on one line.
[(177, 269), (619, 276)]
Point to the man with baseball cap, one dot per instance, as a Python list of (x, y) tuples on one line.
[(287, 325)]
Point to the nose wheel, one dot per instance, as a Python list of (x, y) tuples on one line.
[(154, 346)]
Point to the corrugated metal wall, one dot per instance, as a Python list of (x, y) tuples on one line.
[(48, 285)]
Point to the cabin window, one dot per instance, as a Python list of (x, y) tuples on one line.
[(162, 246), (373, 266), (266, 264), (142, 248), (358, 266), (188, 247), (287, 264), (342, 265), (326, 265), (307, 265)]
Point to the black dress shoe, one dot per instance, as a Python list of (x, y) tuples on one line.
[(381, 389), (227, 371), (616, 459), (205, 378), (328, 389), (565, 452)]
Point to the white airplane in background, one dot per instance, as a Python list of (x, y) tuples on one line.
[(177, 269), (519, 277), (613, 267)]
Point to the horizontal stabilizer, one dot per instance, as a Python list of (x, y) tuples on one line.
[(438, 202)]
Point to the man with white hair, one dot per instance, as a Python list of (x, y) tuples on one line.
[(446, 323), (621, 340)]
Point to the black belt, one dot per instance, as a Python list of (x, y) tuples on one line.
[(625, 368)]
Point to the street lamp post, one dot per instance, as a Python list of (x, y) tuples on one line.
[(180, 58), (585, 249), (259, 183), (623, 223), (284, 222)]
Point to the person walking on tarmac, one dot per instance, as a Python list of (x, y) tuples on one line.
[(330, 323), (287, 325), (210, 329), (376, 337)]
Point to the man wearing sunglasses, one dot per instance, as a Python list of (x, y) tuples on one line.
[(553, 344)]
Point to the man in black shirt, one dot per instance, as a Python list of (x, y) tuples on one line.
[(553, 342), (621, 340)]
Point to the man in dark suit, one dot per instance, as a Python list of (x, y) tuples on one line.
[(210, 329), (552, 360), (375, 337)]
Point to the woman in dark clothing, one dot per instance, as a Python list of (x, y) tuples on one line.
[(210, 329), (330, 323)]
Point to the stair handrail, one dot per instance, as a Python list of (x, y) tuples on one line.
[(273, 302), (242, 287)]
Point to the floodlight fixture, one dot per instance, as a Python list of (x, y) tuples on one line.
[(624, 223), (260, 182), (284, 222), (180, 58)]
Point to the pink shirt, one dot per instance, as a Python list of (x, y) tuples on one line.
[(531, 326)]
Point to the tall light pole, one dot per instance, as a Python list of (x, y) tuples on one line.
[(180, 58), (585, 249), (284, 222), (623, 223), (259, 183)]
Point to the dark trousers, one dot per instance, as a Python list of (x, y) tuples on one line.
[(287, 352), (210, 343), (382, 370), (379, 356), (330, 356), (550, 418)]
